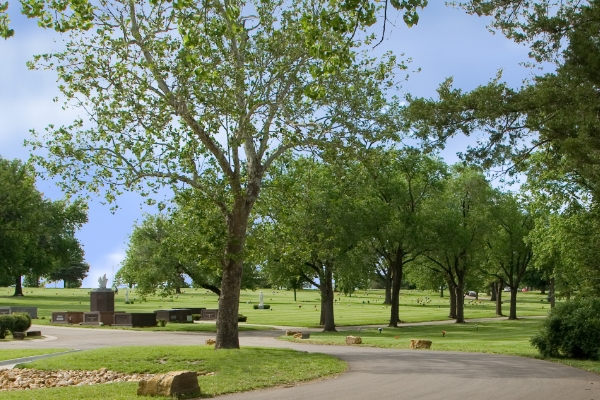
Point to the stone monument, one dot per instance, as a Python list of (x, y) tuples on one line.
[(102, 299), (261, 305)]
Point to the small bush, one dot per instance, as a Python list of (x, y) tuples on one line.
[(22, 322), (162, 322), (6, 324), (572, 330), (265, 306), (242, 318), (196, 317)]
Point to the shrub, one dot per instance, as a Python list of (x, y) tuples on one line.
[(22, 322), (242, 318), (572, 330), (162, 322), (265, 306), (196, 317), (6, 324)]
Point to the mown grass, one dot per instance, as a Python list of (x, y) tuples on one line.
[(362, 308), (235, 370), (10, 354), (496, 337)]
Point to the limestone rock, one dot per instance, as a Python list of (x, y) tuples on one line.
[(291, 333), (210, 342), (174, 383), (298, 335), (305, 335), (353, 340), (18, 335), (420, 344)]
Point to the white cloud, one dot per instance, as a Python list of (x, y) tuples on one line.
[(108, 264)]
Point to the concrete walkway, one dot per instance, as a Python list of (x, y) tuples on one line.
[(373, 373)]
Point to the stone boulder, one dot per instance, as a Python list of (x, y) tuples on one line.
[(18, 335), (34, 333), (174, 384), (305, 335), (420, 344), (298, 335), (291, 333), (210, 342), (353, 340)]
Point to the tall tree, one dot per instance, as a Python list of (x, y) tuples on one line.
[(509, 251), (36, 235), (459, 231), (313, 223), (400, 182), (206, 95)]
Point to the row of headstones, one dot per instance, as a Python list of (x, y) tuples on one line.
[(32, 311), (121, 318)]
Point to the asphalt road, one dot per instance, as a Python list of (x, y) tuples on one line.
[(373, 373)]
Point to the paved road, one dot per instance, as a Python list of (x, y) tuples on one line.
[(374, 373)]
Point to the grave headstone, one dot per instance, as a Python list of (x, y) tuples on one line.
[(209, 314)]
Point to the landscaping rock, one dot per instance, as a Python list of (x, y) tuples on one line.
[(18, 335), (176, 383), (420, 344), (353, 340), (298, 335), (305, 335), (34, 333), (210, 342), (291, 333), (24, 379)]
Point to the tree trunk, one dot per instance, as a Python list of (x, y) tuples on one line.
[(513, 303), (543, 290), (551, 294), (294, 294), (441, 290), (388, 288), (396, 283), (460, 301), (231, 282), (499, 298), (177, 290), (18, 286), (452, 291), (493, 290), (326, 287)]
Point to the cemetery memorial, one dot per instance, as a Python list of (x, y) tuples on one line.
[(102, 312)]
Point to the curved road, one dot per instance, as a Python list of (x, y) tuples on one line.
[(373, 373)]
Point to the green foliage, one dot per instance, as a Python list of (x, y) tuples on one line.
[(37, 235), (6, 324), (198, 98), (265, 306), (572, 330), (242, 318), (73, 273), (21, 322)]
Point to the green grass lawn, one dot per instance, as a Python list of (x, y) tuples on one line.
[(497, 337), (235, 370), (9, 354), (362, 308)]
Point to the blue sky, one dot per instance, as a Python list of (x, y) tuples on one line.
[(446, 42)]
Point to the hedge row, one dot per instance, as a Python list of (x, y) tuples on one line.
[(17, 322)]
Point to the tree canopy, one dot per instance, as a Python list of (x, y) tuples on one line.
[(37, 235)]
